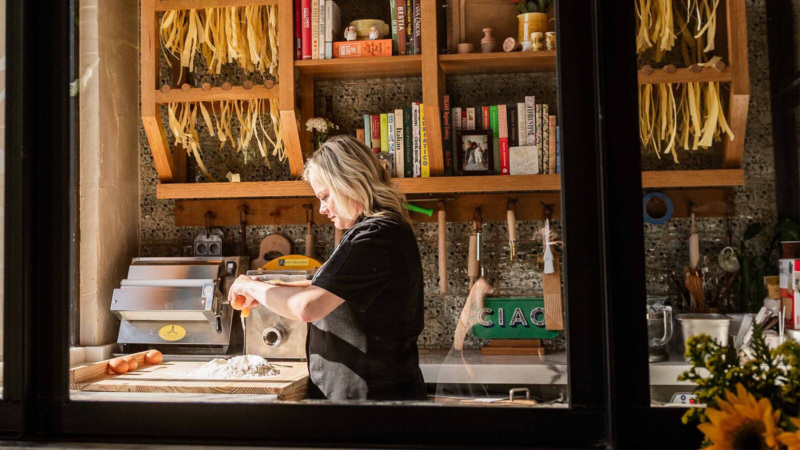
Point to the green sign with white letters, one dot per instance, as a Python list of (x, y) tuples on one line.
[(512, 318)]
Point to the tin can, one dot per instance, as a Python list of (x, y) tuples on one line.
[(550, 40)]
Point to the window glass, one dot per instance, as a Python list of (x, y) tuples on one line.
[(2, 170), (192, 144)]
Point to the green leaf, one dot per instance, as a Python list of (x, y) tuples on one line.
[(752, 230)]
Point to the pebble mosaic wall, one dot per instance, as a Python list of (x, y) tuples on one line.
[(347, 101)]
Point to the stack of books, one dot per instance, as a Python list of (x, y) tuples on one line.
[(400, 136), (319, 31), (524, 136)]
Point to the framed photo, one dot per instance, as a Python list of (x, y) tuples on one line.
[(475, 155)]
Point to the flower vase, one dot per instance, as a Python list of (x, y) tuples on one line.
[(529, 23)]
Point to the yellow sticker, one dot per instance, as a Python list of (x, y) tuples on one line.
[(172, 332)]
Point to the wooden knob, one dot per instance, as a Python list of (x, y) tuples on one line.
[(165, 88), (511, 45), (269, 84), (186, 87), (720, 66), (670, 68), (248, 84), (647, 70), (227, 86), (695, 68), (206, 87)]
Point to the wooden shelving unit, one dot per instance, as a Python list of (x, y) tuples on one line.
[(296, 97)]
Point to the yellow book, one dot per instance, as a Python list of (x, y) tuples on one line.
[(424, 162), (384, 133)]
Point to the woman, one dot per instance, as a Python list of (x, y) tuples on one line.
[(365, 304)]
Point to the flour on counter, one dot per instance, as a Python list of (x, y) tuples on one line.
[(247, 366)]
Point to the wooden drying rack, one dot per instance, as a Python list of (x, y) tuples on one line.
[(296, 100)]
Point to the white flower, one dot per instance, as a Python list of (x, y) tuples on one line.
[(317, 123)]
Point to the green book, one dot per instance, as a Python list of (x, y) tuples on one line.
[(408, 153), (384, 133), (495, 138), (393, 8)]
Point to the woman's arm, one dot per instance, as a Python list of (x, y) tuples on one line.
[(305, 304)]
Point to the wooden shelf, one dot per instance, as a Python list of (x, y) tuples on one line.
[(361, 68), (216, 94), (498, 62), (167, 5), (685, 75), (447, 185)]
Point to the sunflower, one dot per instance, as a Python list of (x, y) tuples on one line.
[(741, 422), (791, 440)]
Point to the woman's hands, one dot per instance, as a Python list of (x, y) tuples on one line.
[(246, 293)]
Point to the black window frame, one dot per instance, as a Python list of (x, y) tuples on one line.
[(601, 186)]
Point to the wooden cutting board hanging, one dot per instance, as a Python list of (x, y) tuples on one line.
[(272, 246)]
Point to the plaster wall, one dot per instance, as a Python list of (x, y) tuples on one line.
[(109, 146)]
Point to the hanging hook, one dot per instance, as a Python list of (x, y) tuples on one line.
[(547, 211), (209, 216), (477, 218), (309, 212)]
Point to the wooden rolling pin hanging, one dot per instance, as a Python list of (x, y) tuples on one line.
[(512, 228), (309, 235), (474, 265), (442, 249)]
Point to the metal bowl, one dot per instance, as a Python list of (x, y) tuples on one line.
[(715, 325)]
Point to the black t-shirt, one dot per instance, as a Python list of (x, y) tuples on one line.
[(366, 349)]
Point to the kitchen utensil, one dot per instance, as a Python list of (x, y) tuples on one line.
[(512, 229), (272, 246), (473, 264), (659, 328), (208, 243), (694, 246), (693, 277), (474, 303), (714, 325), (309, 234), (442, 230)]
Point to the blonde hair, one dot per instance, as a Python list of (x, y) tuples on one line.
[(354, 176)]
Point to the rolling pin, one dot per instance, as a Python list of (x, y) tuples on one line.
[(473, 268), (512, 230), (442, 249), (309, 241)]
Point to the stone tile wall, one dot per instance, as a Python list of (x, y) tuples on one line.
[(347, 101)]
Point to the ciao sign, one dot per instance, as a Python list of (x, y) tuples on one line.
[(512, 318)]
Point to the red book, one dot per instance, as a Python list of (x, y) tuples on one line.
[(502, 126), (298, 24), (375, 127), (464, 119), (306, 37), (486, 118), (401, 26)]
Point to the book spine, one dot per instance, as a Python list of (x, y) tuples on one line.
[(417, 27), (399, 143), (360, 135), (447, 135), (558, 149), (456, 139), (368, 130), (392, 144), (425, 168), (314, 29), (410, 27), (470, 118), (402, 36), (545, 124), (358, 49), (513, 126), (416, 137), (376, 133), (522, 137), (478, 118), (464, 119), (393, 12), (538, 137), (306, 37), (322, 9), (495, 138), (530, 120), (486, 119), (552, 147), (384, 133), (408, 141), (298, 28), (502, 128)]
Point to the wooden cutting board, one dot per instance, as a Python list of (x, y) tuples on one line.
[(175, 376)]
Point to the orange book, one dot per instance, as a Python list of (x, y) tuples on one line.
[(358, 49)]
